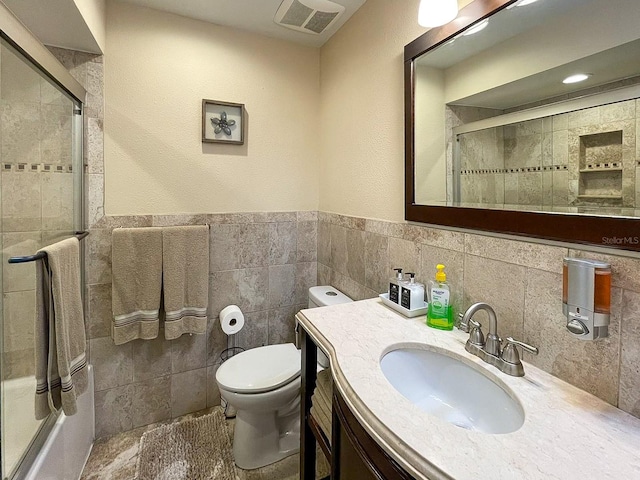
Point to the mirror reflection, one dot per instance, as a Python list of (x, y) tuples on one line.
[(496, 126)]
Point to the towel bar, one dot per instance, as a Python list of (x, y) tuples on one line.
[(37, 256)]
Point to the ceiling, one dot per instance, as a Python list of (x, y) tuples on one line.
[(252, 15), (611, 65), (60, 23)]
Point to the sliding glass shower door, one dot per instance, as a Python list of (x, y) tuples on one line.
[(40, 175)]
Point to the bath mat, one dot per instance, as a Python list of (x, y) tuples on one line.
[(194, 449)]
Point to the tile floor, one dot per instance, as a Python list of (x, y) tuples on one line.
[(114, 458)]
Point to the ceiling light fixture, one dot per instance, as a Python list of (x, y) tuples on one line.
[(434, 13), (521, 3), (477, 27), (578, 77)]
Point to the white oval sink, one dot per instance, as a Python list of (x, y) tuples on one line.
[(452, 390)]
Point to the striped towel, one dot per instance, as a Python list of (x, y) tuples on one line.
[(185, 279), (61, 361), (137, 283)]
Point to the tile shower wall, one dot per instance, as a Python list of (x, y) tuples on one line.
[(521, 280), (263, 262), (581, 159)]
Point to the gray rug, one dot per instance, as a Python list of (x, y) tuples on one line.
[(194, 449)]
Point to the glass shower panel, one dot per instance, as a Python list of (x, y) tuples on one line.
[(39, 157)]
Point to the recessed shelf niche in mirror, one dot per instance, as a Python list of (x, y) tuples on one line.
[(494, 140)]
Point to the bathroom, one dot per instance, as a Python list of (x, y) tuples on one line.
[(314, 196)]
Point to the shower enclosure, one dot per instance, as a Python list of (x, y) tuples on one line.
[(40, 203)]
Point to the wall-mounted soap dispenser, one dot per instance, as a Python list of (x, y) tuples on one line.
[(586, 297)]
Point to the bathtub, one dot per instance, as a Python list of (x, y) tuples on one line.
[(69, 443), (19, 425)]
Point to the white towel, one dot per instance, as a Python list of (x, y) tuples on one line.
[(61, 362)]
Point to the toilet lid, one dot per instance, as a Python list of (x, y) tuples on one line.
[(260, 369)]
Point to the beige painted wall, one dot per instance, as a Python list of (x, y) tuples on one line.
[(430, 161), (158, 68), (362, 111)]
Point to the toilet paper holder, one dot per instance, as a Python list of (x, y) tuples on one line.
[(231, 350), (231, 322)]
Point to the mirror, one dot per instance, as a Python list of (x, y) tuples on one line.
[(496, 141)]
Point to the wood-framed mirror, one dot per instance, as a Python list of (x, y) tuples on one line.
[(494, 141)]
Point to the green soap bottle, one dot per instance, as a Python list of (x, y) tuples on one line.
[(440, 313)]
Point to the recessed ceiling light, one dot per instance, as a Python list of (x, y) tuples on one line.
[(578, 77), (478, 27)]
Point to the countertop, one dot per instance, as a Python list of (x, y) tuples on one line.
[(567, 432)]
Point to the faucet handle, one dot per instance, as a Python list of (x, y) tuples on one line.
[(510, 353), (476, 336), (461, 324)]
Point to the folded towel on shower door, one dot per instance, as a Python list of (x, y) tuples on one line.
[(136, 257), (185, 278), (61, 361)]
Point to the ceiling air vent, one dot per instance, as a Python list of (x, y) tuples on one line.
[(308, 16)]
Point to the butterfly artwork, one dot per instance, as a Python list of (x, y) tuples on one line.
[(222, 124)]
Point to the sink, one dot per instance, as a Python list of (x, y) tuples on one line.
[(451, 390)]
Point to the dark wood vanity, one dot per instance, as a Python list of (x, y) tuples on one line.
[(351, 452)]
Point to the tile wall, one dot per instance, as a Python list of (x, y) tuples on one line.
[(262, 262), (571, 162), (521, 280)]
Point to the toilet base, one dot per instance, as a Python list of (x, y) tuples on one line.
[(264, 438)]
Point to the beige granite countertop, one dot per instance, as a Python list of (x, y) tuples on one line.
[(567, 433)]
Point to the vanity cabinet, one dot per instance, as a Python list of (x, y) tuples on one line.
[(352, 453)]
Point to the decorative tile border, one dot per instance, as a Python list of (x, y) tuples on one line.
[(36, 167), (602, 166), (546, 168)]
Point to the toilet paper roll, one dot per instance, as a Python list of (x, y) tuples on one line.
[(231, 319)]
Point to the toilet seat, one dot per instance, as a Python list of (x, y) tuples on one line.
[(260, 369)]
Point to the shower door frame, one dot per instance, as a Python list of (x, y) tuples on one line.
[(21, 39)]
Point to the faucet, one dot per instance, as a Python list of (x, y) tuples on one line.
[(492, 345), (490, 350)]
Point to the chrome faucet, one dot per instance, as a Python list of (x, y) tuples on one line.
[(490, 350)]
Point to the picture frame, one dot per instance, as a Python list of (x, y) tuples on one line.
[(222, 122)]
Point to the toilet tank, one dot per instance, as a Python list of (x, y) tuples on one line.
[(325, 295)]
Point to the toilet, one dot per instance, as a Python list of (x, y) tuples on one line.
[(263, 384)]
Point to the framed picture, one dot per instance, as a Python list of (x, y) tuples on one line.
[(222, 122)]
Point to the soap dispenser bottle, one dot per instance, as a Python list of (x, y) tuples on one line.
[(440, 313), (412, 293), (394, 286)]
